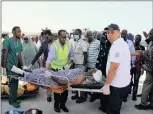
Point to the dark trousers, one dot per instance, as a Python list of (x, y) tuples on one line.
[(133, 74), (60, 99), (13, 87), (103, 102), (114, 103), (136, 82)]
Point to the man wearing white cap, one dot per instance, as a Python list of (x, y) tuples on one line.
[(117, 71), (4, 36)]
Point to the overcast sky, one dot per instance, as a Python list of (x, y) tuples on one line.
[(32, 16)]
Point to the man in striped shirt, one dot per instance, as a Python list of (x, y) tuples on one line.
[(93, 50), (92, 55)]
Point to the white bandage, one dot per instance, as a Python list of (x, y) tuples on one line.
[(97, 76), (17, 70)]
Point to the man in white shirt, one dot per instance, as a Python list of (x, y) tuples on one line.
[(118, 70), (80, 57), (37, 42)]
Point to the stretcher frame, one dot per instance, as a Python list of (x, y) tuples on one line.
[(69, 87)]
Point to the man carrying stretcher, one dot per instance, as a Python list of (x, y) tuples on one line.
[(60, 56)]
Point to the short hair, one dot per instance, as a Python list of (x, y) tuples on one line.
[(48, 32), (3, 35), (139, 36), (42, 33), (80, 32), (14, 28), (60, 31)]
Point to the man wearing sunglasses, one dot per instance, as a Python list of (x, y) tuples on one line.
[(117, 71), (60, 56)]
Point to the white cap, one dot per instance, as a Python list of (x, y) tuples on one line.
[(97, 76), (4, 32)]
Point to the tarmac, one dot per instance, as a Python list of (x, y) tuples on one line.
[(41, 103)]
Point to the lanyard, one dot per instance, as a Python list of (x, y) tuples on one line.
[(16, 46)]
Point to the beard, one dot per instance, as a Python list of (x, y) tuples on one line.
[(137, 43), (18, 37)]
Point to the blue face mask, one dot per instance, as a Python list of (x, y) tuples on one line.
[(76, 37)]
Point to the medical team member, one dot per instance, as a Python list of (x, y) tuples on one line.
[(118, 70), (11, 59), (60, 56)]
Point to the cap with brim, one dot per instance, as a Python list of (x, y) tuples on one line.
[(112, 26)]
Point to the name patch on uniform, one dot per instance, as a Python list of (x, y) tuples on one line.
[(117, 54)]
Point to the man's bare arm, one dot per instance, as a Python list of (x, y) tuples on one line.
[(48, 66), (112, 72)]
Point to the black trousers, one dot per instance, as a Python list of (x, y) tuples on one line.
[(133, 74), (60, 99), (115, 99), (136, 82)]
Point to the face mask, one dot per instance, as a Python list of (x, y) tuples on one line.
[(76, 37), (26, 41)]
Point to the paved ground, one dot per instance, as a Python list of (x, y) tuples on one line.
[(85, 108)]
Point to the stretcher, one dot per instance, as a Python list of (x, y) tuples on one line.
[(94, 88), (25, 89), (61, 80)]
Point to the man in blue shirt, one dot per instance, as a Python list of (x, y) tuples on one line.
[(124, 35)]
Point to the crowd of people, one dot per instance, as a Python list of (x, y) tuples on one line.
[(120, 56)]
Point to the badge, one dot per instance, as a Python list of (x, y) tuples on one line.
[(117, 54)]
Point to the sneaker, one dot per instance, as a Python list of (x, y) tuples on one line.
[(124, 100), (139, 95), (16, 102), (49, 99), (141, 107), (65, 109), (150, 107), (80, 100), (102, 109), (134, 98), (16, 105), (75, 97), (92, 99)]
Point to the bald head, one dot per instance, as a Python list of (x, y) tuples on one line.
[(89, 36), (124, 33)]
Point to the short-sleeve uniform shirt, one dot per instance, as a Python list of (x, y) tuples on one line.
[(120, 53), (14, 50)]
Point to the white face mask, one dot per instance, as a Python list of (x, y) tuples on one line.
[(76, 37)]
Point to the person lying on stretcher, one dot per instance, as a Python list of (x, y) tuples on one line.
[(60, 78)]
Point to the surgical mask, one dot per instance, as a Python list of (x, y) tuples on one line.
[(76, 37)]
